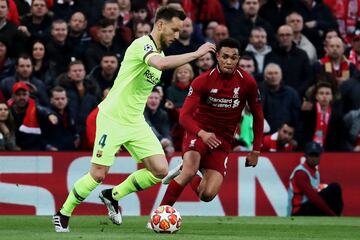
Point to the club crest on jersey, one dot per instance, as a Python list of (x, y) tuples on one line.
[(190, 91), (148, 48), (99, 154), (236, 92)]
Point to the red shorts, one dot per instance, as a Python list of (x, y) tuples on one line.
[(215, 159)]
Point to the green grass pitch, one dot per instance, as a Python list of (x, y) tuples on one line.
[(219, 228)]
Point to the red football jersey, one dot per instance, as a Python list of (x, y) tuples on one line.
[(215, 102)]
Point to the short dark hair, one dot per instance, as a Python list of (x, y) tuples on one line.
[(57, 89), (24, 56), (108, 2), (169, 12), (104, 23), (323, 84), (229, 42), (289, 123), (75, 62)]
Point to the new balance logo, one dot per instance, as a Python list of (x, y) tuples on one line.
[(214, 90), (192, 143)]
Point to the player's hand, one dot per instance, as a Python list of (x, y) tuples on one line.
[(205, 48), (209, 138), (252, 159)]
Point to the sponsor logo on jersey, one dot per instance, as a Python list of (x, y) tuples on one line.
[(150, 77), (99, 154)]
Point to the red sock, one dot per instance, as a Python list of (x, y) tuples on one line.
[(195, 183), (172, 193)]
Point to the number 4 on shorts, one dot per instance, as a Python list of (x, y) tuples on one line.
[(102, 140)]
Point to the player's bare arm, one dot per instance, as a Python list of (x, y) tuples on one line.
[(168, 62), (209, 138)]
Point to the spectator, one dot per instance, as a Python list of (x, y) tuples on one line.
[(82, 94), (220, 33), (350, 93), (179, 88), (317, 20), (8, 30), (280, 141), (7, 129), (281, 103), (323, 120), (232, 10), (296, 22), (91, 123), (293, 61), (335, 61), (41, 63), (78, 34), (59, 50), (247, 62), (24, 73), (275, 11), (106, 44), (354, 54), (347, 14), (305, 196), (141, 28), (240, 28), (63, 9), (105, 73), (352, 123), (208, 31), (7, 64), (204, 63), (62, 135), (139, 13), (125, 10), (185, 44), (37, 24), (29, 118), (158, 120), (258, 47)]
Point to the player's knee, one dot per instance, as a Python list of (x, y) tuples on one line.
[(207, 196), (160, 172)]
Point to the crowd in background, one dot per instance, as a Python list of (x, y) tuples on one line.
[(59, 58)]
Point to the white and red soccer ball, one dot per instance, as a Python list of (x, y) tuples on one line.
[(165, 219)]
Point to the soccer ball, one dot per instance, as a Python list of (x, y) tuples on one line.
[(165, 219)]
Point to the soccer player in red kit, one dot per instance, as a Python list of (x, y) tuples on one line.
[(210, 115)]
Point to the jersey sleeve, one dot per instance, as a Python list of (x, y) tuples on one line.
[(191, 102), (147, 49), (254, 101)]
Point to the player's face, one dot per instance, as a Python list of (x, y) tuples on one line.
[(4, 112), (169, 31), (324, 96), (59, 100), (228, 59)]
